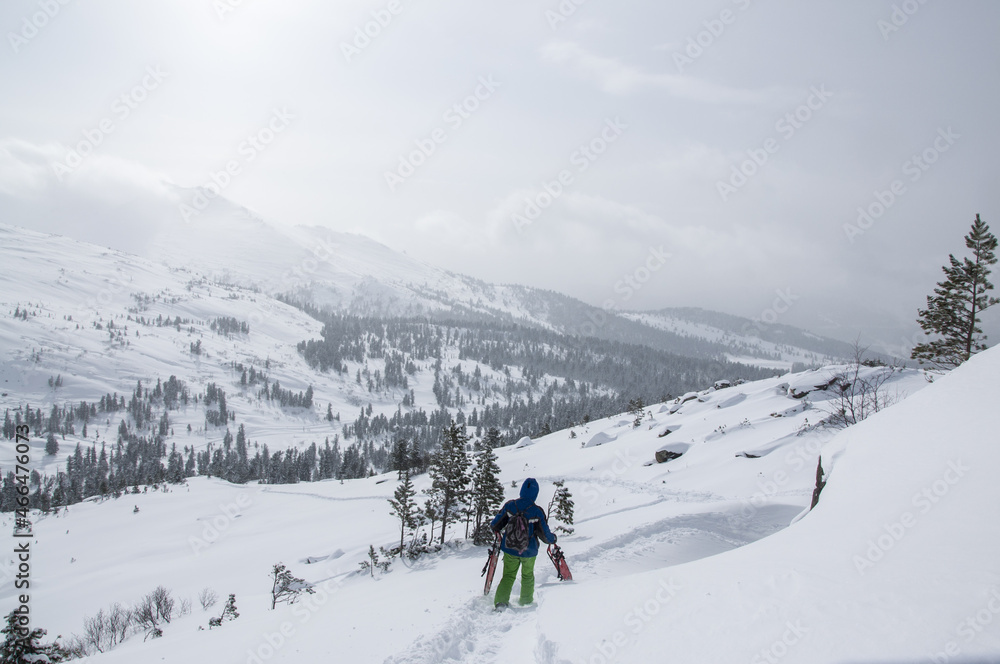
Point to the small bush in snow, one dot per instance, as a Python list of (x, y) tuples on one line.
[(229, 612), (374, 563), (860, 394), (207, 598)]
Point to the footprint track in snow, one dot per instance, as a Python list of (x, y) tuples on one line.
[(474, 634)]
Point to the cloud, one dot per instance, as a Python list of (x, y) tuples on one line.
[(24, 167), (614, 77), (106, 200)]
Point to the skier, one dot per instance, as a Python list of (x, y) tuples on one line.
[(524, 558)]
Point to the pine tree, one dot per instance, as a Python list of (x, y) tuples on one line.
[(953, 311), (18, 647), (242, 467), (400, 458), (487, 491), (229, 612), (404, 508), (450, 476), (493, 438), (285, 587), (51, 444), (430, 513), (373, 562), (415, 462), (562, 500), (636, 410)]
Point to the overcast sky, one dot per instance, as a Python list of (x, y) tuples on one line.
[(433, 131)]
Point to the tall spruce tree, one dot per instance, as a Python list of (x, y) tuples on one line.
[(400, 457), (487, 491), (404, 507), (51, 444), (449, 473), (430, 513), (953, 311)]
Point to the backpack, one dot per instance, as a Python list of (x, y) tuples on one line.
[(516, 532)]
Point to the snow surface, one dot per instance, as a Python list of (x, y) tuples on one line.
[(687, 561), (765, 354), (70, 287)]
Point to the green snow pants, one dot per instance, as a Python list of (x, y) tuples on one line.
[(510, 565)]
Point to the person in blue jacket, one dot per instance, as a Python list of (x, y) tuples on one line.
[(512, 559)]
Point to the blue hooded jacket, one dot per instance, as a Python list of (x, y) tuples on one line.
[(537, 525)]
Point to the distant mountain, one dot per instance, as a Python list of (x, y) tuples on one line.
[(350, 273), (89, 335), (744, 340)]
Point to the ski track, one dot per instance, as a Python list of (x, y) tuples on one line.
[(474, 633), (320, 497), (664, 494)]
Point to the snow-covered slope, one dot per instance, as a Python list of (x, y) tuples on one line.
[(79, 298), (229, 244), (761, 342), (328, 269), (897, 563), (681, 560), (97, 322)]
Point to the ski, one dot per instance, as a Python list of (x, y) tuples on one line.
[(491, 565), (559, 560)]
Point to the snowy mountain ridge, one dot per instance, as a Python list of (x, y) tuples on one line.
[(102, 322), (350, 273)]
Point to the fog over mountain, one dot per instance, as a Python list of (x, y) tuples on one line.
[(836, 151)]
